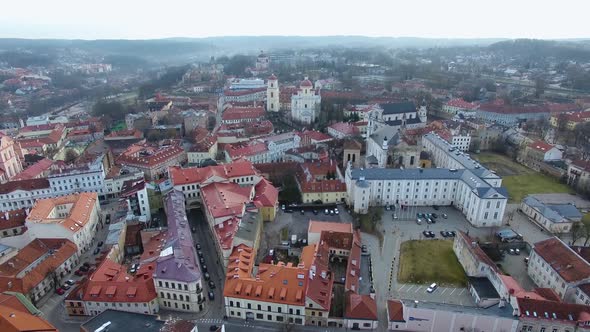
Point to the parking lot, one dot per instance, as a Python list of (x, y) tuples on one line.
[(515, 266), (454, 295)]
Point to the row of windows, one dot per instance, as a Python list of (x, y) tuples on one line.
[(180, 297), (113, 304), (268, 308), (270, 317), (172, 285)]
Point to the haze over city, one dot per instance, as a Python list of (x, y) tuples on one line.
[(313, 166), (111, 19)]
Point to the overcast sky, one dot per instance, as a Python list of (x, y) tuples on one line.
[(137, 19)]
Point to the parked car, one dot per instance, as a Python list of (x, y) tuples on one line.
[(419, 221), (393, 207), (434, 215), (212, 297), (193, 229), (200, 253), (204, 267), (211, 284), (517, 251), (85, 268), (428, 221), (202, 260), (86, 264), (445, 216), (452, 233), (302, 212), (108, 219), (364, 248), (336, 211), (79, 273), (511, 251), (198, 246), (60, 291), (387, 207), (432, 288), (394, 216), (283, 207), (326, 212), (444, 233), (207, 276), (70, 282), (96, 251), (66, 286), (428, 234), (100, 243)]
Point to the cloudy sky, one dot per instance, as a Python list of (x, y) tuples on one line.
[(137, 19)]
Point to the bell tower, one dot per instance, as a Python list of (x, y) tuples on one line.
[(272, 94)]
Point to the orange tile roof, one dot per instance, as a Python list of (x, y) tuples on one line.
[(11, 270), (280, 283), (12, 320), (353, 268), (35, 170), (541, 146), (320, 226), (322, 186), (79, 214), (266, 194), (146, 155)]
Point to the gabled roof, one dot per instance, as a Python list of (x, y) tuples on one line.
[(25, 185), (395, 311), (541, 146), (396, 108), (78, 216), (565, 261), (360, 307)]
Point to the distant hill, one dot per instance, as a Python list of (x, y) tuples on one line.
[(577, 50)]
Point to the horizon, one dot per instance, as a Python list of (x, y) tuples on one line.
[(452, 19)]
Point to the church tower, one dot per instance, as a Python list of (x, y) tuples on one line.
[(272, 94), (422, 111)]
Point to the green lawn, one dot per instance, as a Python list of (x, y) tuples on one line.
[(519, 186), (519, 180), (428, 261)]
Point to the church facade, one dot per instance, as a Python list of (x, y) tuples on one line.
[(305, 105)]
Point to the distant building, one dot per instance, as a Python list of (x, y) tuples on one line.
[(460, 106), (305, 105), (539, 152), (578, 173), (153, 160), (272, 94), (10, 164)]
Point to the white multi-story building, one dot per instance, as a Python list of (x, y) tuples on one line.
[(273, 103), (87, 178), (461, 142), (553, 264), (135, 192), (305, 105), (73, 217), (113, 185), (482, 203), (277, 145), (23, 194)]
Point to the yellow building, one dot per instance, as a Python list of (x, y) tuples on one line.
[(572, 119), (327, 191)]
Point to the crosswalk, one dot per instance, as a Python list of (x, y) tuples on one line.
[(210, 321)]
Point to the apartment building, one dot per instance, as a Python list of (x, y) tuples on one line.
[(553, 264), (12, 223), (74, 217), (153, 160), (555, 218), (135, 192), (38, 266), (111, 287), (22, 194), (75, 179), (10, 161)]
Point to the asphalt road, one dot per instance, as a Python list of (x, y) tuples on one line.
[(203, 236)]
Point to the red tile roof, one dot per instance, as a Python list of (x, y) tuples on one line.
[(26, 185), (243, 113), (236, 151), (353, 269), (316, 257), (460, 103), (541, 146), (12, 219), (566, 313), (322, 186), (15, 320), (146, 155), (345, 128), (566, 262), (327, 226), (360, 307), (36, 256), (225, 199), (192, 175), (266, 194), (577, 116), (78, 216), (395, 311), (306, 83), (111, 283)]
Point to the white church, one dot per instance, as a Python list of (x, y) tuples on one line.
[(305, 105)]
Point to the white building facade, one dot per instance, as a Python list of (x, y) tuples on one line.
[(305, 105)]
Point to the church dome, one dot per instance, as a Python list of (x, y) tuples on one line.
[(272, 77), (306, 83)]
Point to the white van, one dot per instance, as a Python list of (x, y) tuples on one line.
[(432, 288)]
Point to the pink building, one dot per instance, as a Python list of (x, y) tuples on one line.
[(10, 164)]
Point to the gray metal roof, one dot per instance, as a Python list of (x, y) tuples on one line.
[(396, 108), (481, 187), (554, 212), (461, 157), (390, 133)]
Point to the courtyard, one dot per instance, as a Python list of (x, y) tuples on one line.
[(519, 180), (428, 261)]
